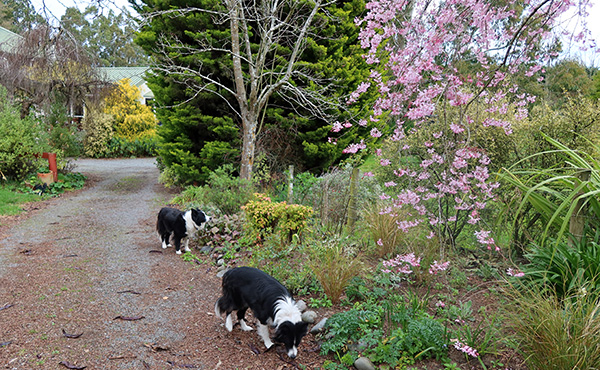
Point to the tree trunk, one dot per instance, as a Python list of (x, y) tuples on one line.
[(248, 146)]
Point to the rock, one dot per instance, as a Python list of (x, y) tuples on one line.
[(222, 272), (309, 317), (301, 305), (363, 363), (206, 249), (220, 262), (319, 327)]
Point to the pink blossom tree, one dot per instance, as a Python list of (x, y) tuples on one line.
[(418, 51)]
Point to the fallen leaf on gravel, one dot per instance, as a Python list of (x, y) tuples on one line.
[(73, 336), (153, 251), (6, 306), (129, 291), (156, 347), (4, 344), (26, 251), (186, 366), (71, 366), (70, 256), (129, 318), (121, 357)]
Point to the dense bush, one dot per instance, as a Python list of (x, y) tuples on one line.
[(265, 217), (140, 147), (223, 191), (98, 129), (20, 140), (132, 119)]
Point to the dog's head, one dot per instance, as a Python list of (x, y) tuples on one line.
[(199, 218), (290, 334)]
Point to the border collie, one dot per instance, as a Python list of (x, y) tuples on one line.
[(269, 300), (182, 225)]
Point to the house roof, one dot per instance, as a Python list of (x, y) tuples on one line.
[(134, 74), (116, 74), (8, 40)]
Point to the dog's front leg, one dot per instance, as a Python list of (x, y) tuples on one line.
[(263, 331), (187, 248)]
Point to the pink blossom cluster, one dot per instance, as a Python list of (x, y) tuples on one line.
[(465, 348), (436, 267), (514, 272), (414, 48), (402, 264)]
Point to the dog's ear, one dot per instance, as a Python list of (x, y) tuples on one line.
[(284, 331), (301, 329)]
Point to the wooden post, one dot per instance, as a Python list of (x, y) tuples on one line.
[(325, 204), (352, 202), (577, 221), (291, 185)]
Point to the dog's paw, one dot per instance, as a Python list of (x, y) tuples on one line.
[(244, 326), (187, 249), (178, 252), (229, 323)]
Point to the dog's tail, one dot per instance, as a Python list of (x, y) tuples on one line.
[(219, 309)]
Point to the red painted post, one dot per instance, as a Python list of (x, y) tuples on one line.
[(51, 164)]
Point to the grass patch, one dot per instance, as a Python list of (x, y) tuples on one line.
[(11, 201)]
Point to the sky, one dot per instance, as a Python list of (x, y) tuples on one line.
[(55, 9)]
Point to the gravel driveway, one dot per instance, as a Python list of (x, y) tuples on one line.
[(90, 263)]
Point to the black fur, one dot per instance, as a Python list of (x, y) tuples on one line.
[(173, 222), (249, 288)]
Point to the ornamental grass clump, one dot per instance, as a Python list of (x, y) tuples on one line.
[(557, 333), (384, 230), (334, 268)]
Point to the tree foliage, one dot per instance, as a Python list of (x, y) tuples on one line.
[(282, 98), (416, 50), (132, 119), (19, 16), (108, 36), (20, 140)]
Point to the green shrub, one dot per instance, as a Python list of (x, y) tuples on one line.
[(565, 266), (389, 331), (264, 217), (223, 190), (98, 129), (288, 265), (144, 146), (20, 139)]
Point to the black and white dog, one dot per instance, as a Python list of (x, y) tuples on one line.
[(180, 224), (269, 300)]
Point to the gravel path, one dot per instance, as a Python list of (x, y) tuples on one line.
[(90, 263)]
